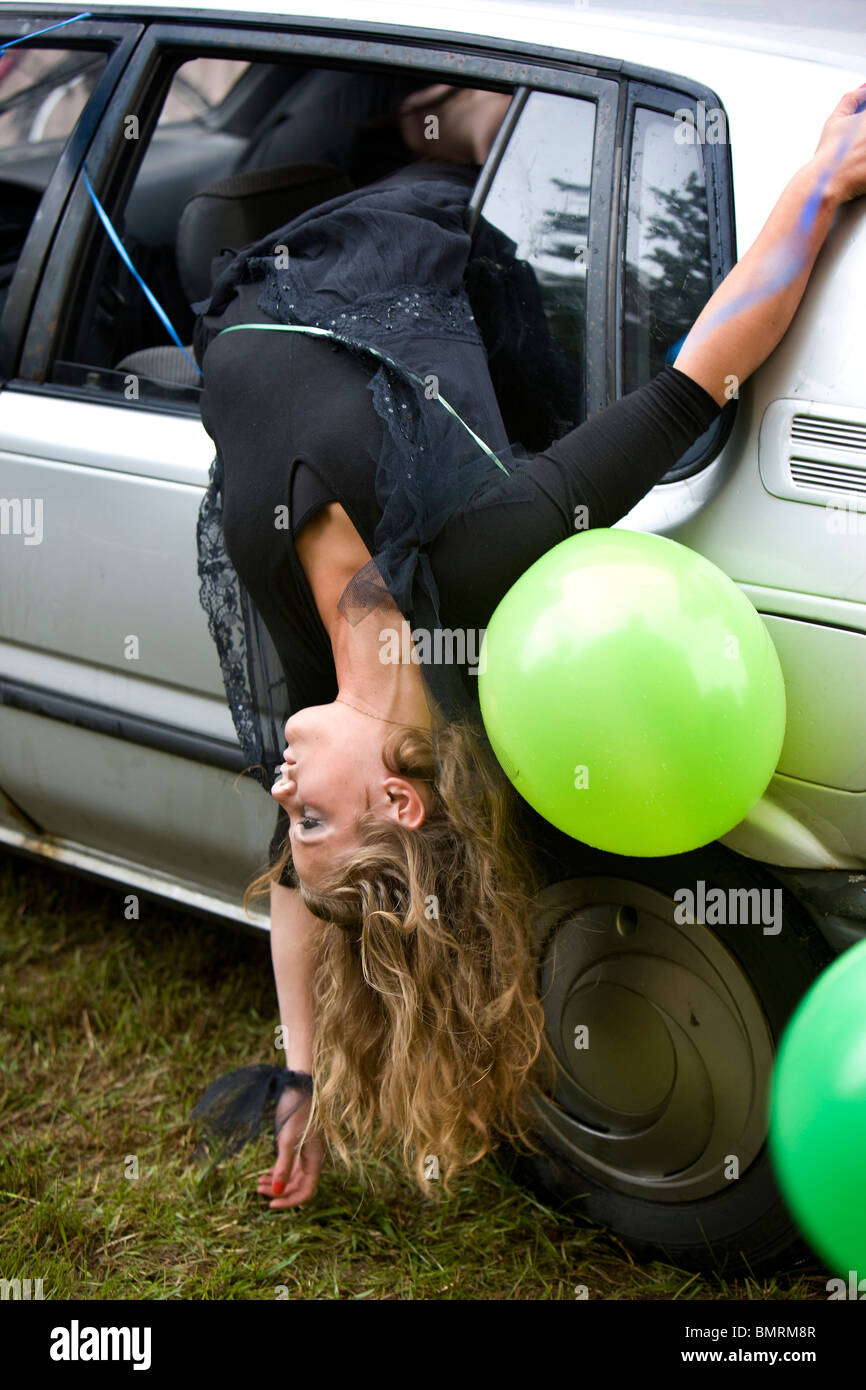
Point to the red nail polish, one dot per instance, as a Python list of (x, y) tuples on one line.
[(278, 1186)]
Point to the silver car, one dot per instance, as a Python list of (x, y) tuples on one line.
[(635, 158)]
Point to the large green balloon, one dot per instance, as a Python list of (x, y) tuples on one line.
[(817, 1137), (632, 693)]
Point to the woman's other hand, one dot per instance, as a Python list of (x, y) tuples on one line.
[(842, 146), (294, 1176)]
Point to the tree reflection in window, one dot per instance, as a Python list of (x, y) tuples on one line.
[(563, 235), (667, 254), (526, 278)]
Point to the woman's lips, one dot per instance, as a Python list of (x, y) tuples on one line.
[(284, 777), (285, 770)]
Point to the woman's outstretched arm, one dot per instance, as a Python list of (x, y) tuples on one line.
[(751, 310), (293, 1178), (594, 475)]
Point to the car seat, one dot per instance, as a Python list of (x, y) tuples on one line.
[(231, 213)]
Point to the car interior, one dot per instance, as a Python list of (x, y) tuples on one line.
[(281, 142), (283, 139)]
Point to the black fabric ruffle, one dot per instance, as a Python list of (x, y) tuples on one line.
[(240, 1105)]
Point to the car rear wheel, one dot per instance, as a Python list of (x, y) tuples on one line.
[(664, 1037)]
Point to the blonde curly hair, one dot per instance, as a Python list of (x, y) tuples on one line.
[(428, 1022)]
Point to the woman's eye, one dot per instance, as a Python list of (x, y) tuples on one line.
[(308, 823)]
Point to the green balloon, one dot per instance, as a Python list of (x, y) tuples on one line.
[(817, 1137), (632, 693)]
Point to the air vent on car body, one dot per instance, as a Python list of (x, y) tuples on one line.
[(813, 453)]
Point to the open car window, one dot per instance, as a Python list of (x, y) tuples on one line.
[(235, 150), (43, 91)]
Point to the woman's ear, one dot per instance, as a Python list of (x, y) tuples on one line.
[(405, 803)]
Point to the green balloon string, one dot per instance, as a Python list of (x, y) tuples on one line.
[(383, 356)]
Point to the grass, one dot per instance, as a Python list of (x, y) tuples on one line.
[(110, 1030)]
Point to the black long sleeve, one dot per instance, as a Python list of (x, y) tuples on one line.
[(606, 465), (612, 460)]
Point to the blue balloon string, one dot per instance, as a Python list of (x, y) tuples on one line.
[(327, 333), (38, 32), (124, 256)]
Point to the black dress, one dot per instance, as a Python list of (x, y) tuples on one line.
[(299, 420)]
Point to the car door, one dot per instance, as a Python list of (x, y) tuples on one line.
[(119, 750), (118, 747)]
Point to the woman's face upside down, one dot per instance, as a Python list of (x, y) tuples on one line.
[(333, 772)]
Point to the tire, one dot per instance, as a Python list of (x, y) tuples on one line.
[(656, 1128)]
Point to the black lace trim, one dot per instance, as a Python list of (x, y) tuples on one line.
[(223, 600), (406, 308)]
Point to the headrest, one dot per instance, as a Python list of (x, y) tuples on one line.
[(242, 208)]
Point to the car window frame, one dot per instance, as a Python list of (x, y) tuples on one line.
[(668, 98), (118, 38), (112, 175), (521, 66)]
